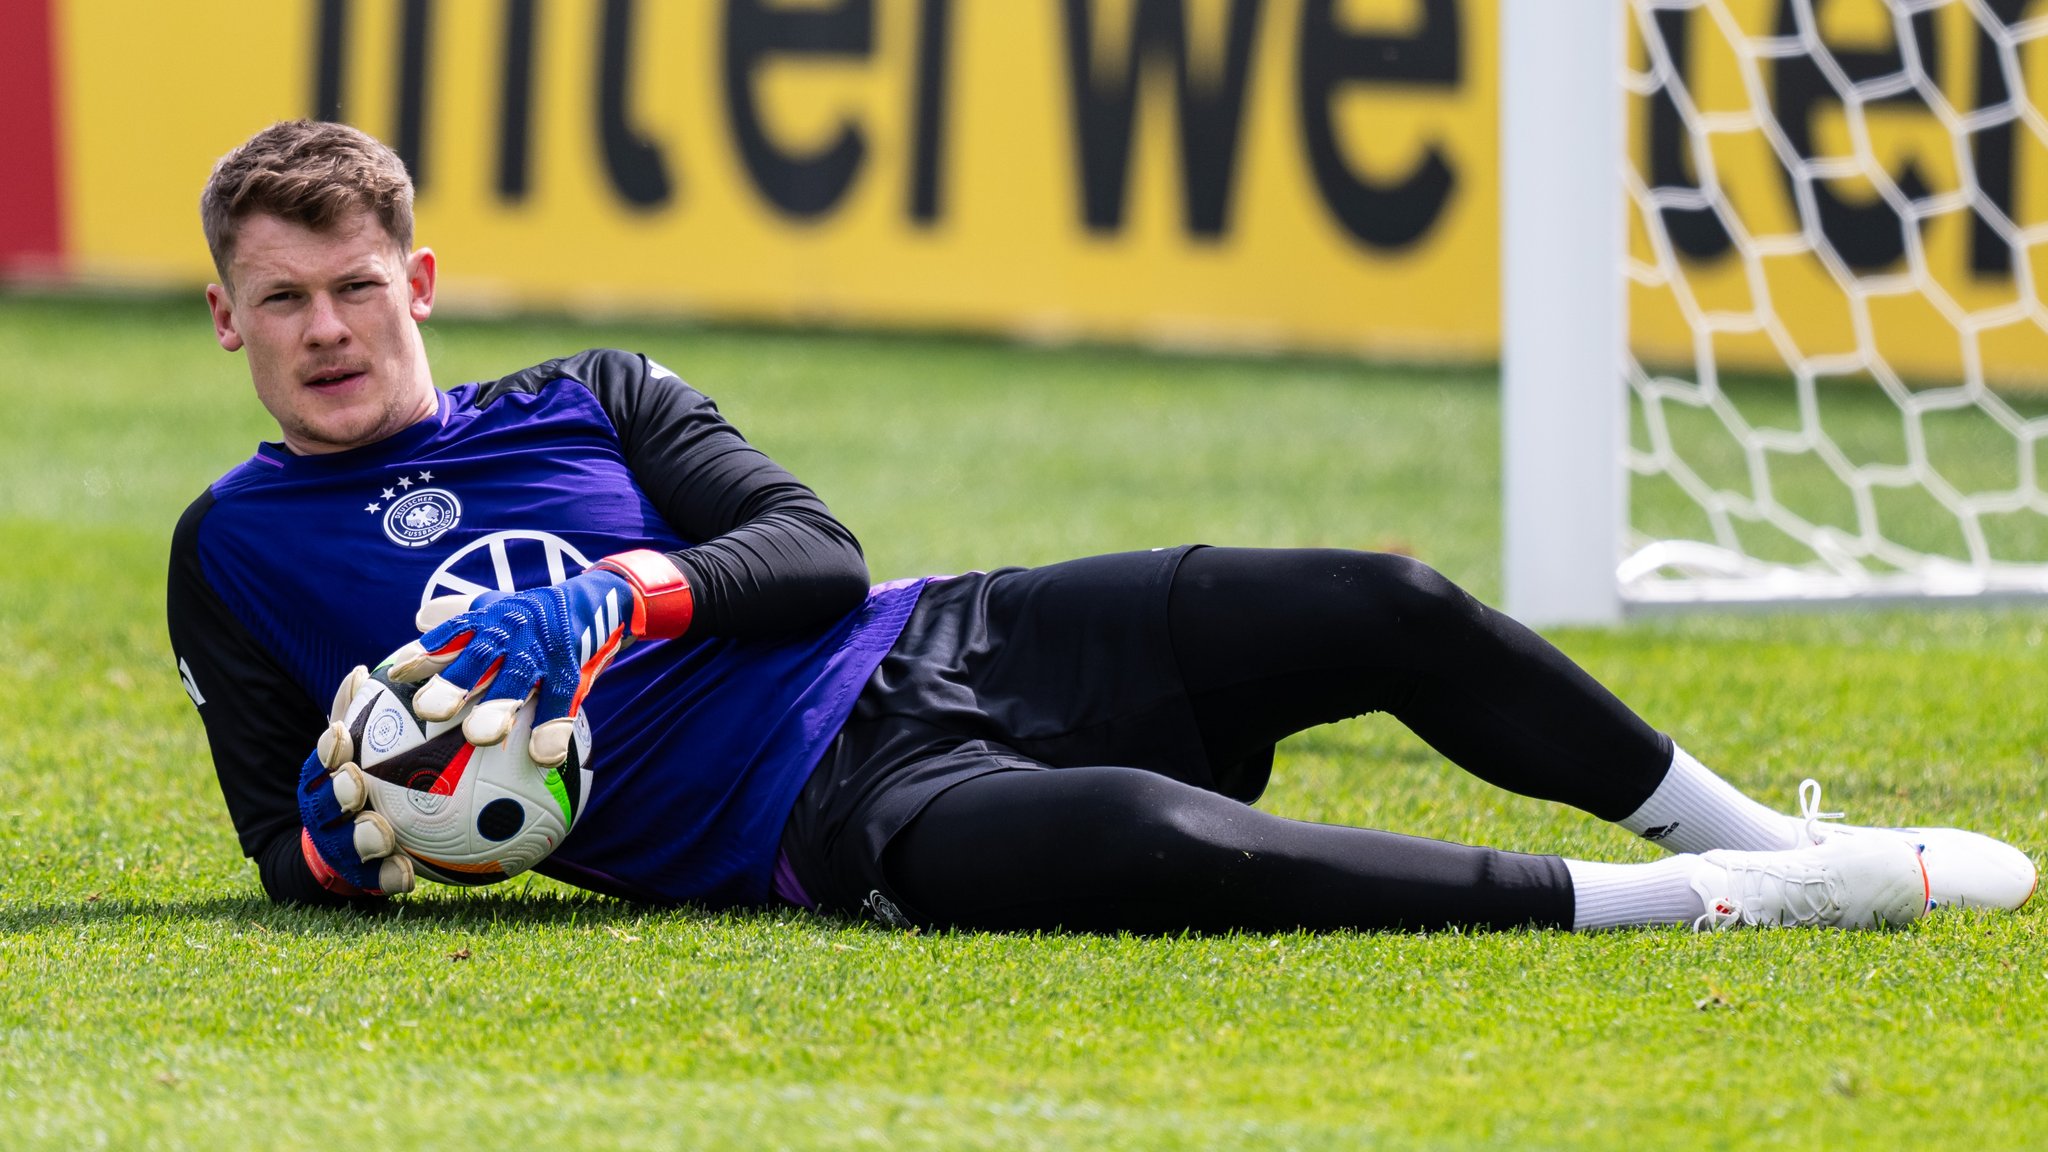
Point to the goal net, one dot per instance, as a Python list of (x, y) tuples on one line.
[(1836, 365)]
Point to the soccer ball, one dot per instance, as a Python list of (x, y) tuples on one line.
[(466, 815)]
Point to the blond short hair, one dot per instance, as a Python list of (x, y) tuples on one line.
[(308, 172)]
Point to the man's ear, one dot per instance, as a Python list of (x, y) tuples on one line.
[(419, 277), (222, 304)]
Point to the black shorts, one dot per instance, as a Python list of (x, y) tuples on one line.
[(1020, 669)]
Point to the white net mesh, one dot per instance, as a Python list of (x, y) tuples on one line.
[(1839, 218)]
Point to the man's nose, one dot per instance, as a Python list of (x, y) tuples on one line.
[(324, 325)]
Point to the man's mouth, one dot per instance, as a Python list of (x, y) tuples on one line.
[(332, 378)]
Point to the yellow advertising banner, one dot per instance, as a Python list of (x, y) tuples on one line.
[(1300, 173), (1318, 174)]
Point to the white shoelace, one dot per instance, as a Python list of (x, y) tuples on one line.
[(1809, 810), (1796, 892), (1728, 911)]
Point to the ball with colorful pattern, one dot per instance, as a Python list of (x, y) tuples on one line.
[(466, 815)]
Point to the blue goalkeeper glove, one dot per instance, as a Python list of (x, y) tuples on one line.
[(548, 642), (351, 850)]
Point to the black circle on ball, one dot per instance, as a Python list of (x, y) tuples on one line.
[(500, 819)]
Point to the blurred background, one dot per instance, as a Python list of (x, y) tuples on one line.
[(1834, 215), (1273, 175), (1289, 197)]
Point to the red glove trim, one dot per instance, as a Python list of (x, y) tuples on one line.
[(323, 875), (661, 597)]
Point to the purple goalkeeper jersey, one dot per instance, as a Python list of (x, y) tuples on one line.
[(699, 745)]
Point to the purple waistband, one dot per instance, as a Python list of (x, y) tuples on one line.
[(786, 887)]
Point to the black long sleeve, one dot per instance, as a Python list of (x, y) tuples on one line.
[(772, 560), (259, 724)]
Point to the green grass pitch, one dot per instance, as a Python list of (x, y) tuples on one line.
[(149, 995)]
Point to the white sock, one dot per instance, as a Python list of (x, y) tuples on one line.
[(1694, 810), (1632, 895)]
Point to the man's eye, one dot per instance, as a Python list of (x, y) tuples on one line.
[(277, 297), (359, 285)]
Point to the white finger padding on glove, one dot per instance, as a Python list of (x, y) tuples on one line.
[(335, 747), (437, 699), (394, 874), (351, 788), (549, 744), (489, 722), (412, 663), (374, 836), (439, 611), (344, 695)]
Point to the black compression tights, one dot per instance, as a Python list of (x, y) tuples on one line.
[(1270, 643)]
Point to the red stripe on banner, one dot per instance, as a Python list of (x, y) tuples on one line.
[(31, 237)]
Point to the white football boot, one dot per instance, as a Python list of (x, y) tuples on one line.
[(1964, 869), (1846, 882)]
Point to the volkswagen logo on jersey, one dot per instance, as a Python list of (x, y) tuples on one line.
[(510, 561)]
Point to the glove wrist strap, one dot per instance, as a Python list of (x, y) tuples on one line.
[(662, 604)]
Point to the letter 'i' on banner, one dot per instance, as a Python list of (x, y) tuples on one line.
[(31, 240)]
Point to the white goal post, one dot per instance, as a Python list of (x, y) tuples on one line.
[(1771, 326), (1563, 314)]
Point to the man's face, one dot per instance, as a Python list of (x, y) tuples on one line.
[(330, 321)]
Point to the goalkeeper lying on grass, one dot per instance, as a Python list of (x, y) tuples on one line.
[(1071, 746)]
